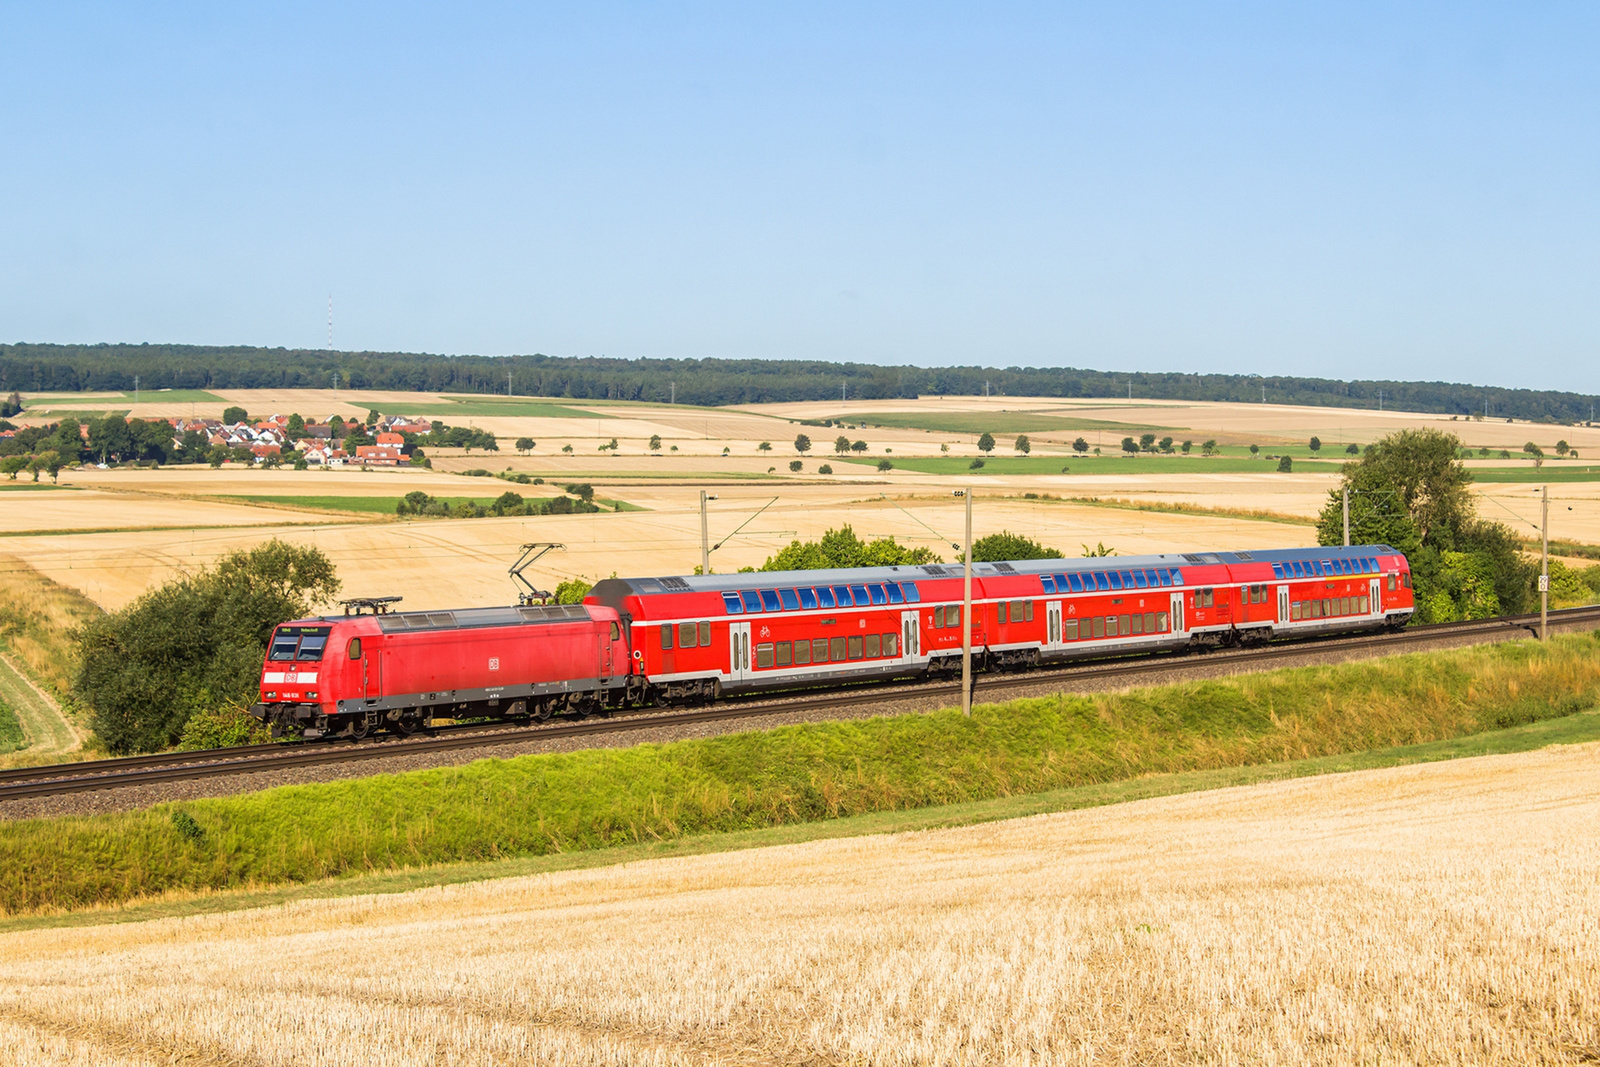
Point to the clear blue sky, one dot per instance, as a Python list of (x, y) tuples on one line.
[(1358, 190)]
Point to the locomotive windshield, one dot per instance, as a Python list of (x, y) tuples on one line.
[(303, 643)]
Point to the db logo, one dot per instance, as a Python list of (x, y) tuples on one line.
[(494, 663)]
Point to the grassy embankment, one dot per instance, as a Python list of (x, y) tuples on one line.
[(563, 803), (37, 617)]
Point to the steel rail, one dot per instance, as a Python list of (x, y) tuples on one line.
[(254, 759)]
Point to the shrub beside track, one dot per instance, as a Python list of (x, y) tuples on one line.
[(593, 799)]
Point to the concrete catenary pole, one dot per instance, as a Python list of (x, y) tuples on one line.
[(1347, 516), (705, 537), (1544, 566), (966, 616)]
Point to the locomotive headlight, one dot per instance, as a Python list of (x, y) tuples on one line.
[(311, 696), (272, 692)]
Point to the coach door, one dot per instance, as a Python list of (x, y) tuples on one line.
[(1177, 613), (1376, 592), (1052, 614), (910, 636), (1283, 604), (738, 651)]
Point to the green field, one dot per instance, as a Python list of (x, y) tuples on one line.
[(507, 407), (1001, 422), (77, 413), (604, 798), (1550, 472), (11, 736), (176, 396), (1075, 464), (20, 486)]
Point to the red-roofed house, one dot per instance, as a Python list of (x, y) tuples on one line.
[(379, 455)]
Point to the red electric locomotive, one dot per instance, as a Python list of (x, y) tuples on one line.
[(348, 675)]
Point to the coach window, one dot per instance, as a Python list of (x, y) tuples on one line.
[(808, 598), (913, 596), (666, 635), (705, 635), (769, 600), (824, 597), (751, 600), (876, 593), (687, 635), (1069, 630), (841, 593), (859, 592), (874, 646), (1294, 611), (895, 596), (355, 648), (1138, 623), (1075, 583), (952, 616), (853, 647), (791, 602), (1001, 608), (819, 650), (1099, 627), (764, 655), (1125, 626), (836, 649), (730, 604), (802, 653), (1161, 621), (938, 617), (1102, 581), (891, 644), (785, 653)]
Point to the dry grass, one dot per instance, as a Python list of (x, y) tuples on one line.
[(36, 617), (1446, 913)]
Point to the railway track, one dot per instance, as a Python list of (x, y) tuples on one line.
[(251, 759)]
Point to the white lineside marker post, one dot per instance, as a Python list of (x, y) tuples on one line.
[(966, 616), (705, 537), (1347, 516), (1544, 567)]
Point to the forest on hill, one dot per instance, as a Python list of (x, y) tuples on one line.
[(113, 367)]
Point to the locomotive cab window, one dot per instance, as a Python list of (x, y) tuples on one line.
[(355, 648), (283, 646)]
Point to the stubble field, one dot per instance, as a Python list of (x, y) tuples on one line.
[(112, 534), (1442, 913)]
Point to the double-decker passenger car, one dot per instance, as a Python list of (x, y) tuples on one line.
[(696, 637)]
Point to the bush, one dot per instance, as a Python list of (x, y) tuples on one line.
[(233, 414), (193, 644), (796, 466), (572, 591), (975, 465), (1285, 464), (1003, 546), (223, 726), (885, 465), (826, 468)]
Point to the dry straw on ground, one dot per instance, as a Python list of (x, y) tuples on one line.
[(1445, 913)]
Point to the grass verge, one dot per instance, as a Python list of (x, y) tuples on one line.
[(1572, 729), (603, 798), (11, 736), (37, 618)]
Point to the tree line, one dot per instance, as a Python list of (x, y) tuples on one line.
[(114, 367)]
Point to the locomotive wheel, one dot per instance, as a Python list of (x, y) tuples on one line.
[(406, 725), (359, 728), (541, 711)]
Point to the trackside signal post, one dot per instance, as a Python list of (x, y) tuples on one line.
[(966, 616)]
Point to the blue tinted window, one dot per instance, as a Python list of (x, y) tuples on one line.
[(860, 594), (752, 601), (1101, 582), (824, 597), (1294, 569), (1076, 582), (1177, 576), (731, 602), (769, 599), (1372, 564), (910, 589), (1140, 580), (808, 599), (877, 593), (1115, 579), (1277, 570), (842, 594), (790, 601), (1348, 566), (1048, 583), (894, 593), (1165, 575)]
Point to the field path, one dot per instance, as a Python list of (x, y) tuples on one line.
[(48, 730), (1443, 913)]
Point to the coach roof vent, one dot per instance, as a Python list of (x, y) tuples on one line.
[(677, 585)]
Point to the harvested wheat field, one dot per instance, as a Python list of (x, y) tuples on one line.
[(1441, 913)]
